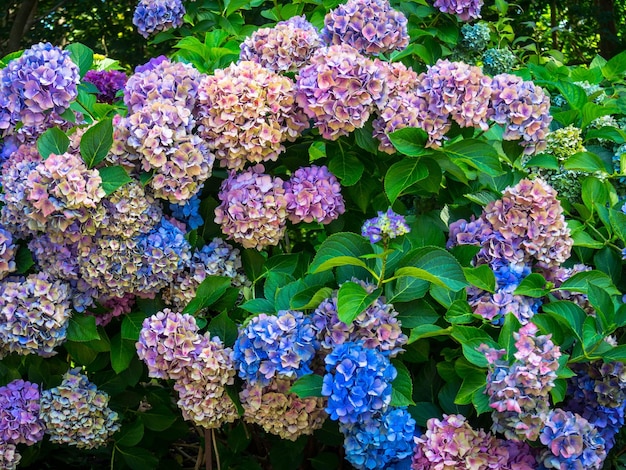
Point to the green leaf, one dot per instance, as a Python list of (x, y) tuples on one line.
[(340, 244), (579, 282), (471, 338), (82, 56), (96, 142), (593, 111), (477, 154), (317, 150), (352, 299), (459, 313), (310, 298), (582, 238), (346, 167), (159, 418), (122, 352), (138, 458), (340, 261), (82, 328), (258, 306), (285, 263), (613, 134), (426, 331), (615, 68), (402, 386), (575, 95), (53, 141), (533, 285), (618, 223), (543, 160), (409, 141), (482, 277), (23, 259), (558, 391), (604, 308), (309, 385), (224, 328), (587, 162), (435, 265), (506, 339), (471, 384), (81, 353), (402, 175), (130, 434), (618, 353), (407, 288), (113, 177), (568, 314), (131, 325), (207, 293), (594, 192)]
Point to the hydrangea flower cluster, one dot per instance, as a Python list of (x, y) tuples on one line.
[(77, 413), (339, 89), (108, 83), (377, 443), (280, 412), (281, 345), (114, 307), (34, 313), (523, 109), (385, 226), (9, 456), (376, 327), (188, 211), (572, 442), (475, 37), (357, 382), (36, 88), (564, 142), (519, 392), (253, 208), (465, 10), (284, 48), (246, 112), (498, 60), (452, 443), (313, 194), (7, 252), (19, 413), (152, 16), (370, 26)]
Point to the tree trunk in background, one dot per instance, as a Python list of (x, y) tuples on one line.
[(605, 16), (553, 25), (23, 17)]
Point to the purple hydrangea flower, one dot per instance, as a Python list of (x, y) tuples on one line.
[(246, 113), (357, 382), (280, 412), (281, 345), (152, 64), (7, 252), (108, 83), (286, 47), (465, 10), (19, 414), (387, 225), (339, 89), (380, 440), (313, 194), (114, 307), (158, 15), (77, 413), (253, 208), (370, 26)]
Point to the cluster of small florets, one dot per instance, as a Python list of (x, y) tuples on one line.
[(113, 307), (34, 313), (218, 258), (280, 412), (385, 226), (253, 209), (452, 443), (152, 16), (108, 83), (246, 112), (571, 441), (339, 89), (465, 10), (9, 456), (284, 48), (36, 88), (77, 413), (475, 37), (498, 60), (19, 414), (523, 109), (377, 327), (593, 89), (564, 142), (188, 211), (519, 392), (378, 443), (357, 382), (313, 194), (370, 26), (59, 260), (7, 252), (281, 346)]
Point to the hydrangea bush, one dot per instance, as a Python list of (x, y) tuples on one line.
[(364, 234)]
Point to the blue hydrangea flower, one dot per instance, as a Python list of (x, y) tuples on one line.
[(281, 345), (189, 212), (158, 15), (386, 225), (357, 382)]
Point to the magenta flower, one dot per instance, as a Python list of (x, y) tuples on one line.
[(313, 194)]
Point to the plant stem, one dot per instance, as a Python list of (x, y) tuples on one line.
[(217, 454), (208, 450)]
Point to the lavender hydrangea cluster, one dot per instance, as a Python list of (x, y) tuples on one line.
[(281, 346), (281, 412), (465, 10), (313, 194), (339, 89), (381, 441), (108, 83), (152, 16), (77, 413), (286, 47), (357, 382), (34, 313), (36, 88), (370, 26), (523, 109), (519, 391), (572, 442), (19, 413), (246, 113), (7, 252), (385, 226), (453, 443), (113, 308), (253, 208)]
